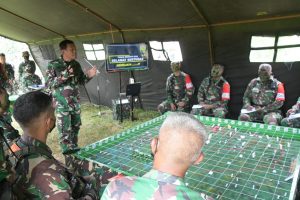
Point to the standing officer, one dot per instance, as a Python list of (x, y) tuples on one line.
[(263, 98), (27, 63), (179, 88), (213, 94), (63, 78)]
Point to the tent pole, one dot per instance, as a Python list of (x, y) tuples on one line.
[(207, 25)]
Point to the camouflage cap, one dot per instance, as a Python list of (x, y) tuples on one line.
[(217, 70)]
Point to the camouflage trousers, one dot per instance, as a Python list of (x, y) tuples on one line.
[(68, 125), (217, 112), (166, 106), (273, 118), (295, 123), (95, 174)]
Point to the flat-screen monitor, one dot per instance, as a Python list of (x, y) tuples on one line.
[(126, 57)]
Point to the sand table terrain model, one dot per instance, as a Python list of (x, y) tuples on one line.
[(243, 160)]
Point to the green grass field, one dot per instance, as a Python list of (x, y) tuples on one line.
[(96, 127)]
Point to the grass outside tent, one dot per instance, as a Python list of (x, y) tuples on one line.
[(96, 127)]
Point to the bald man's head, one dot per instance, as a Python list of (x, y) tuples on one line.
[(181, 138)]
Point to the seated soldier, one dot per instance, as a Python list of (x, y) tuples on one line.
[(213, 94), (179, 89), (171, 161), (39, 174), (263, 98), (10, 74), (26, 62), (290, 120), (29, 79)]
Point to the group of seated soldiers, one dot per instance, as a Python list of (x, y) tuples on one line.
[(262, 99), (27, 76)]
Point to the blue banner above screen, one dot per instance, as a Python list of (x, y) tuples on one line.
[(126, 57)]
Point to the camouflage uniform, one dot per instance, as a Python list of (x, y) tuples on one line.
[(11, 77), (29, 64), (267, 96), (5, 119), (153, 185), (98, 175), (66, 98), (179, 89), (29, 80), (41, 176), (216, 93), (292, 122), (3, 170)]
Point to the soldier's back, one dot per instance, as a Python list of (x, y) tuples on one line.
[(141, 188)]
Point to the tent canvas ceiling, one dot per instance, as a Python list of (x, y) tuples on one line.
[(35, 20)]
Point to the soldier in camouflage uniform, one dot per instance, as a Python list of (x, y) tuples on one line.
[(5, 117), (10, 74), (27, 63), (39, 174), (29, 79), (213, 94), (165, 181), (264, 96), (295, 122), (179, 89), (63, 78), (5, 172)]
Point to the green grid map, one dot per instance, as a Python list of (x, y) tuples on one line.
[(243, 160)]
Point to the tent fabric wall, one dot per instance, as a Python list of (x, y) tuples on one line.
[(231, 48)]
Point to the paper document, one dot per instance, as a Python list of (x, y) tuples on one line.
[(245, 111), (36, 87), (196, 106), (124, 101), (294, 116)]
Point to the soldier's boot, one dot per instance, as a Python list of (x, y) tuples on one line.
[(271, 119), (181, 109), (197, 111), (244, 117), (219, 113), (285, 122), (161, 109)]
